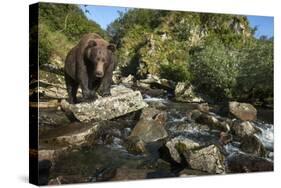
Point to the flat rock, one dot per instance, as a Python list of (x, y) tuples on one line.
[(106, 108)]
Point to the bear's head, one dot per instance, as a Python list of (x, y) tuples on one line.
[(100, 53)]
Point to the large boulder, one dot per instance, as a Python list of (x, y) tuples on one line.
[(184, 92), (118, 104), (239, 163), (179, 145), (241, 129), (151, 126), (208, 159), (243, 111)]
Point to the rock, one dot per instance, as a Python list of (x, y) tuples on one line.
[(135, 145), (150, 127), (155, 81), (125, 173), (208, 159), (178, 145), (74, 134), (203, 107), (242, 129), (184, 92), (116, 76), (243, 111), (239, 163), (107, 108), (128, 81), (252, 144), (225, 138), (51, 153), (212, 121)]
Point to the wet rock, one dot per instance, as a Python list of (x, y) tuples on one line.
[(149, 131), (125, 173), (135, 145), (252, 144), (51, 153), (208, 159), (243, 111), (52, 117), (225, 138), (184, 92), (107, 108), (179, 145), (73, 134), (150, 127), (242, 129), (194, 114), (203, 107), (239, 163), (212, 121)]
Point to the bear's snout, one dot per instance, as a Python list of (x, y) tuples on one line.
[(99, 74)]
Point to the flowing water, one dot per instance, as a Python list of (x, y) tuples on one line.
[(97, 163)]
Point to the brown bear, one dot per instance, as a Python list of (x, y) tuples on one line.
[(89, 64)]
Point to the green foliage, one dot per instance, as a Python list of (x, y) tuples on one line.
[(68, 19), (255, 79), (215, 68), (60, 28), (176, 72)]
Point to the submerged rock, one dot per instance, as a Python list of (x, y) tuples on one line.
[(243, 111), (106, 108), (239, 163), (252, 144), (178, 145), (184, 92), (242, 129), (208, 159)]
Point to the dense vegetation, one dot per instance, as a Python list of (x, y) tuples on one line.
[(217, 53), (60, 28)]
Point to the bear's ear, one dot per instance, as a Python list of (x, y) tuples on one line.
[(111, 47), (92, 43)]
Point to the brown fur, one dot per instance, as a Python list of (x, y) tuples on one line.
[(89, 64)]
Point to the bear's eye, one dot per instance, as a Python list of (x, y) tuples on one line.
[(98, 59)]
